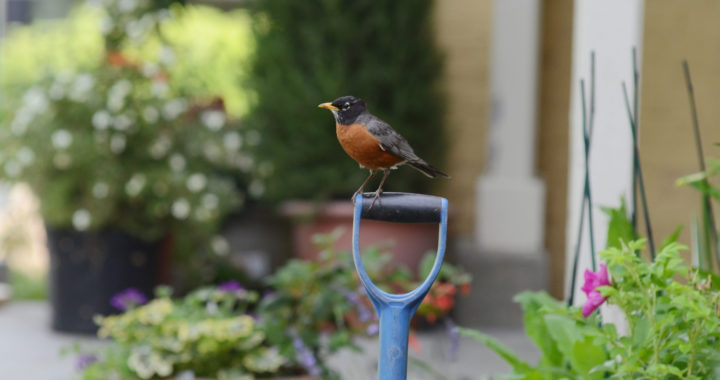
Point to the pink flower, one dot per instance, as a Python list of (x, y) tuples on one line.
[(594, 280)]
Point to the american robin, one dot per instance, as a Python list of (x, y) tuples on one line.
[(372, 142)]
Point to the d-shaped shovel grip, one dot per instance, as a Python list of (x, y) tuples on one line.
[(395, 310), (403, 208)]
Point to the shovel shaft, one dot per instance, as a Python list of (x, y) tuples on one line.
[(395, 310)]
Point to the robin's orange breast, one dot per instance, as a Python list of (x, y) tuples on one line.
[(364, 148)]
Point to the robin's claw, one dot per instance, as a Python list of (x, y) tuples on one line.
[(375, 198)]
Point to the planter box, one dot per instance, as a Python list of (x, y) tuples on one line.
[(88, 268), (408, 242)]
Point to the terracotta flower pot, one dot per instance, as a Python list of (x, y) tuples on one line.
[(407, 242)]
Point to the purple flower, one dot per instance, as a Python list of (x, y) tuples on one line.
[(593, 280), (454, 338), (364, 313), (85, 360), (230, 286), (128, 299), (372, 329), (305, 356)]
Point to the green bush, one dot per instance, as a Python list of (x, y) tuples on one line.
[(308, 52)]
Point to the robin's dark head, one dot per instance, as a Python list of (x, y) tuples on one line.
[(346, 109)]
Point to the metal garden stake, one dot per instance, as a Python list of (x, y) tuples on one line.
[(396, 310)]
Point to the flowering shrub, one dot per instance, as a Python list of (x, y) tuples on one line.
[(310, 310), (673, 317), (206, 333), (115, 145)]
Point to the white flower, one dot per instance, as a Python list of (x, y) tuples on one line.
[(214, 120), (100, 190), (127, 6), (159, 88), (244, 162), (160, 147), (101, 119), (253, 137), (62, 160), (150, 69), (117, 143), (177, 162), (181, 208), (117, 94), (232, 141), (80, 89), (212, 152), (174, 108), (256, 188), (151, 114), (35, 101), (12, 169), (210, 201), (26, 156), (196, 182), (219, 245), (81, 219), (106, 25), (122, 122), (134, 186), (57, 91), (22, 119), (61, 139), (167, 55)]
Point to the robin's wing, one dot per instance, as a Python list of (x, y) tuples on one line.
[(390, 141)]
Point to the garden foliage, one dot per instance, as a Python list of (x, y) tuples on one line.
[(113, 119), (673, 317), (308, 52)]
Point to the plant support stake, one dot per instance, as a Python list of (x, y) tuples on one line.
[(395, 310)]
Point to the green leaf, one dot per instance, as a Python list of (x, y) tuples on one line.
[(533, 305), (500, 349), (672, 238), (586, 355), (620, 228), (564, 331), (641, 332)]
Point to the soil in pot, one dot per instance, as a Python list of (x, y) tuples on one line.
[(88, 268)]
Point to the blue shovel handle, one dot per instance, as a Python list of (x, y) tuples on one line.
[(396, 310)]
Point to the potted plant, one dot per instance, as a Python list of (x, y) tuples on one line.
[(125, 165), (309, 168)]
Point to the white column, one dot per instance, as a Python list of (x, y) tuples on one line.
[(611, 28), (510, 199)]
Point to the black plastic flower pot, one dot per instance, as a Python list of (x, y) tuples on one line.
[(88, 268)]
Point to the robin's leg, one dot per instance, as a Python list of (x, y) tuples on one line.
[(362, 187), (379, 190)]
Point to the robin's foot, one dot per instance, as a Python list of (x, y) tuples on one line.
[(375, 198)]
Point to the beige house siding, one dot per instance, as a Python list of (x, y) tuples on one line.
[(677, 30), (463, 32)]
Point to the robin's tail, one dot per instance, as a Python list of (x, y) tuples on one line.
[(427, 169)]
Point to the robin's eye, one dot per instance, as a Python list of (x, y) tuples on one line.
[(346, 106)]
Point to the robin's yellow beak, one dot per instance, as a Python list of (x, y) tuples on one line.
[(328, 106)]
